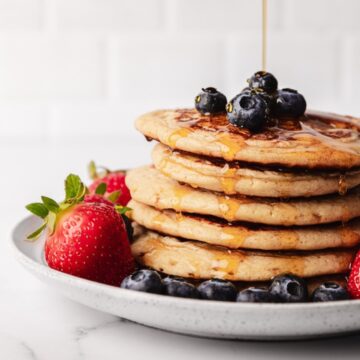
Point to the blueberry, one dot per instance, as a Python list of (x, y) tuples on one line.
[(216, 289), (264, 81), (268, 98), (253, 294), (289, 103), (210, 101), (330, 291), (248, 110), (289, 288), (179, 287), (144, 280)]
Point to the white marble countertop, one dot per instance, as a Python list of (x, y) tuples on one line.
[(36, 323)]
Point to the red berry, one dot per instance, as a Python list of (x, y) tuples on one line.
[(354, 278), (90, 241), (95, 198), (86, 235), (115, 181)]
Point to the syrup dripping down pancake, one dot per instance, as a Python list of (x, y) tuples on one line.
[(197, 260), (215, 231), (235, 178), (315, 141), (147, 185)]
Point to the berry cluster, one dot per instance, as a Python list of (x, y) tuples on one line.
[(255, 105), (286, 288)]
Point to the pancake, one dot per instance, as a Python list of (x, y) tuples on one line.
[(202, 261), (149, 186), (317, 140), (233, 178), (235, 236)]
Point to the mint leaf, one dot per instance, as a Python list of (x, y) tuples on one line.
[(50, 204), (35, 235), (101, 189), (122, 210), (38, 209), (73, 186), (114, 196)]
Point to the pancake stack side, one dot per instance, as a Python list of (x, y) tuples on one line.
[(220, 202)]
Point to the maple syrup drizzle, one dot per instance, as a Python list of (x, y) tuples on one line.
[(176, 135), (228, 181), (228, 207), (342, 185), (264, 33), (334, 131)]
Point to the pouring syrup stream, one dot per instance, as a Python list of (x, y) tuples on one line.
[(264, 33)]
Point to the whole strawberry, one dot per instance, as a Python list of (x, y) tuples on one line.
[(114, 181), (97, 198), (85, 239), (354, 278), (111, 200)]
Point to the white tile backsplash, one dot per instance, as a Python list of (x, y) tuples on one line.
[(89, 67), (59, 67), (110, 15), (21, 14)]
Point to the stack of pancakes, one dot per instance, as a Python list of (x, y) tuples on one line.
[(220, 202)]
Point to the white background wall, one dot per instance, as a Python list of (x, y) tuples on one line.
[(73, 76), (88, 67), (75, 73)]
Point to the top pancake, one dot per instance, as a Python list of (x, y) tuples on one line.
[(315, 141)]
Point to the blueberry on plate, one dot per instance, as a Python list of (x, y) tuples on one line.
[(289, 103), (248, 110), (264, 81), (210, 101), (179, 287), (330, 291), (255, 294), (289, 288), (144, 280), (217, 289)]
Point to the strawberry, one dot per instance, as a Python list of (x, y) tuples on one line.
[(114, 181), (354, 278), (97, 198), (85, 239)]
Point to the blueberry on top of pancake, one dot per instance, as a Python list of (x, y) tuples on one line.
[(289, 103), (314, 141), (210, 101), (248, 110), (255, 105), (263, 81), (261, 101)]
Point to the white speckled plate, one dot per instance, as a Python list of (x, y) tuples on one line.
[(193, 317)]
